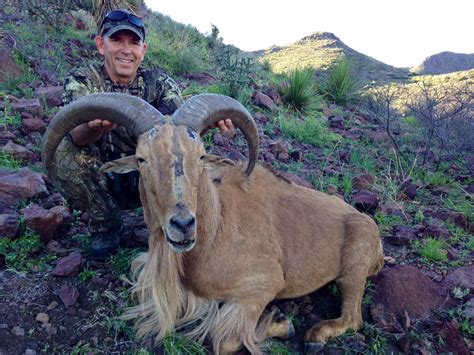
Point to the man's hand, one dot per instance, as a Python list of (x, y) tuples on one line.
[(90, 132), (225, 125), (103, 126)]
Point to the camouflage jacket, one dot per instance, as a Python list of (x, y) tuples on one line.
[(153, 86)]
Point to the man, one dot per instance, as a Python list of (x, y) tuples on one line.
[(121, 43)]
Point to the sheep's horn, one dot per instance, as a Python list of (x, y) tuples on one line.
[(204, 110), (137, 115)]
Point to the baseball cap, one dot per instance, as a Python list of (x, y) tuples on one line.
[(119, 20)]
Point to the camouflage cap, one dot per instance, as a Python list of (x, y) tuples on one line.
[(119, 20)]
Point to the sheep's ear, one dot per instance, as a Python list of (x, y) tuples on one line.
[(120, 166)]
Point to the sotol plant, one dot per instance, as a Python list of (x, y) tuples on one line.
[(298, 91), (340, 85)]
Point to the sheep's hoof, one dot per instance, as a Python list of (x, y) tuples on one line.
[(313, 348)]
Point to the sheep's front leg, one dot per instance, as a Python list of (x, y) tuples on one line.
[(360, 253), (238, 325), (280, 326)]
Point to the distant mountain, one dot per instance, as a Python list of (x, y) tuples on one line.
[(321, 49), (445, 62)]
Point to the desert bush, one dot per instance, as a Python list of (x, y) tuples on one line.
[(311, 129), (446, 116), (232, 69), (298, 91), (340, 85)]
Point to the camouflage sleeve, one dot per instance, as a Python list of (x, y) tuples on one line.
[(170, 97), (75, 86)]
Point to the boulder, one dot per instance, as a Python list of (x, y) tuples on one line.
[(9, 68), (365, 201), (32, 106), (51, 95), (68, 295), (21, 184), (18, 151), (68, 266), (46, 222), (33, 125), (407, 289), (461, 277), (363, 182), (9, 225), (261, 100)]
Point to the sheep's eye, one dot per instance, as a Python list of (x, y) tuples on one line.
[(140, 160), (202, 157)]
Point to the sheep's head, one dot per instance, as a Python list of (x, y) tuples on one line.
[(169, 156)]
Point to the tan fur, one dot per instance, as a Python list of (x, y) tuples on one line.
[(256, 239)]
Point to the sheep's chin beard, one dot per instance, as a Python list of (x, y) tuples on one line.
[(180, 247)]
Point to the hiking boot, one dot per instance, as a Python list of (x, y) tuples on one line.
[(105, 244)]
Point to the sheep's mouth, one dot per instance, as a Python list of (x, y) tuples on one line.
[(181, 246)]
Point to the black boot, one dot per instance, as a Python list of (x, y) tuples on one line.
[(105, 244)]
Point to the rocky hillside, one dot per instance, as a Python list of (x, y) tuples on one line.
[(445, 62), (321, 49), (56, 299)]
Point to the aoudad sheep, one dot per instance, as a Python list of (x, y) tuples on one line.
[(226, 239)]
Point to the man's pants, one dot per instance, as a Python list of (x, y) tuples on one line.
[(86, 189)]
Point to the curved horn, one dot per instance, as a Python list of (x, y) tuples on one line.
[(135, 114), (204, 110)]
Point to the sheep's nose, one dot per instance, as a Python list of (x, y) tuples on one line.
[(183, 224)]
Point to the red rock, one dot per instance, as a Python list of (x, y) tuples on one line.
[(363, 182), (18, 151), (261, 100), (68, 295), (22, 184), (365, 201), (461, 277), (453, 340), (9, 225), (406, 288), (51, 95), (46, 222), (68, 266), (33, 125), (32, 106), (385, 319)]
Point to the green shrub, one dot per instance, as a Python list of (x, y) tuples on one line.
[(9, 162), (178, 344), (311, 130), (18, 253), (340, 86), (235, 72), (432, 250), (298, 91)]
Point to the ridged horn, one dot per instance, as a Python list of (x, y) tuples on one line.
[(137, 115), (202, 111)]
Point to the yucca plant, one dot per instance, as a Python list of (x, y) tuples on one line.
[(340, 85), (298, 91)]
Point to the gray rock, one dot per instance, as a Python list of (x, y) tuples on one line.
[(18, 331)]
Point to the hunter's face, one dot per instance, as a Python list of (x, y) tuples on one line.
[(123, 53)]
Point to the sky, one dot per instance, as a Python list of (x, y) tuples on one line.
[(401, 33)]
